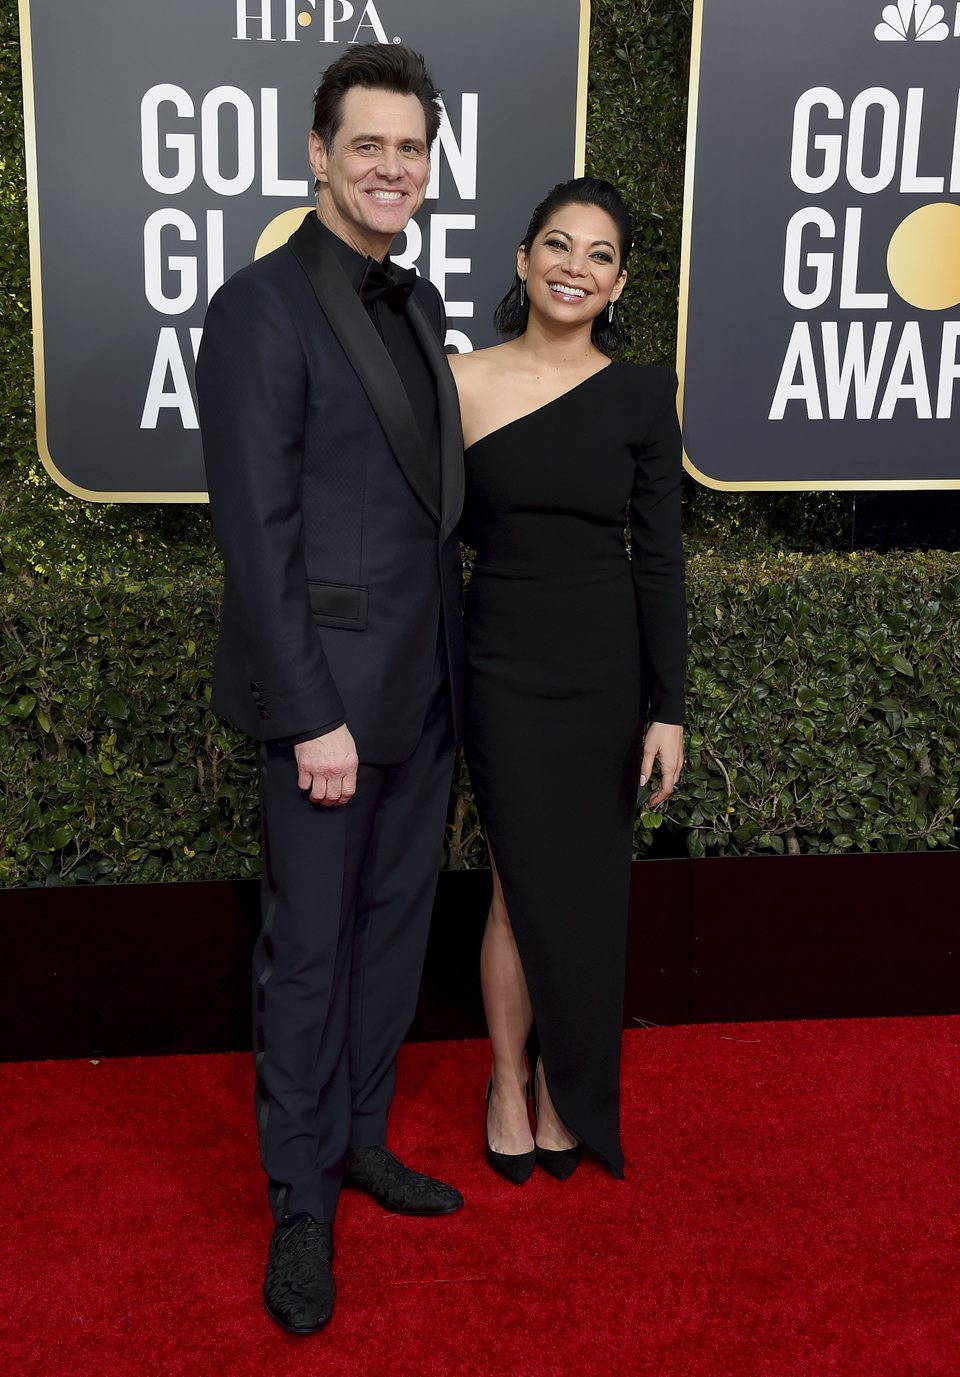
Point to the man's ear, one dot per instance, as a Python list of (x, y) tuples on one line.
[(317, 153)]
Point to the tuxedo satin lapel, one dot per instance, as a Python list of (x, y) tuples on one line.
[(369, 359), (448, 408)]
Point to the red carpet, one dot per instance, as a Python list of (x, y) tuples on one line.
[(791, 1210)]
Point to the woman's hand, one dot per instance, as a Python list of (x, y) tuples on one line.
[(663, 742)]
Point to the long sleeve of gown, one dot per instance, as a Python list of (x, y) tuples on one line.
[(657, 556)]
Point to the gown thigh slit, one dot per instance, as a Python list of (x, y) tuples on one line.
[(557, 698)]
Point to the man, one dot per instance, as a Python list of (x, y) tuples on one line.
[(331, 439)]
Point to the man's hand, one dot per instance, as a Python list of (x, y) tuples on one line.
[(664, 741), (327, 767)]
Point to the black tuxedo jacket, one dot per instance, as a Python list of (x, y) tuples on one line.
[(338, 533)]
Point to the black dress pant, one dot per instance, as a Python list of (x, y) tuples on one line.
[(347, 895)]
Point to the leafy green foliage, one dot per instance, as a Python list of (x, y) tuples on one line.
[(825, 716), (114, 768), (636, 127), (824, 706)]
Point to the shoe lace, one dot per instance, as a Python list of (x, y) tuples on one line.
[(305, 1235), (385, 1156)]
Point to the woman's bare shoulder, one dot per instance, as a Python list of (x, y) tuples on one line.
[(480, 360)]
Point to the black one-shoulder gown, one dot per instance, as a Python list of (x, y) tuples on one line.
[(572, 647)]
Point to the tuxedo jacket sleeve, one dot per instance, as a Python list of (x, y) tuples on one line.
[(252, 387)]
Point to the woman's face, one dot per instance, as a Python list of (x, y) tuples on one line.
[(572, 270)]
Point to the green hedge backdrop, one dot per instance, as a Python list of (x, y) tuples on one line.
[(824, 691)]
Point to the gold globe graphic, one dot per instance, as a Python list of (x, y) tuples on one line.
[(280, 229), (923, 257)]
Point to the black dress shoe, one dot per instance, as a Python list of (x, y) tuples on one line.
[(396, 1187), (515, 1167), (298, 1290)]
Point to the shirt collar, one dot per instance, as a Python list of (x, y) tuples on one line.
[(353, 263)]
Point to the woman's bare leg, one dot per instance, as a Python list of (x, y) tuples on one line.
[(552, 1133), (509, 1019)]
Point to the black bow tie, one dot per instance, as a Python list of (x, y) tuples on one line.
[(393, 284)]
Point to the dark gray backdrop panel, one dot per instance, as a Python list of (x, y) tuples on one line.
[(755, 61), (92, 64)]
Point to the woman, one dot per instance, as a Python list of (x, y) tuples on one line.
[(572, 650)]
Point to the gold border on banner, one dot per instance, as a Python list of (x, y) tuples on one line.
[(759, 485), (583, 74), (36, 298), (33, 222)]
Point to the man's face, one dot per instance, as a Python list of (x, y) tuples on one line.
[(375, 176)]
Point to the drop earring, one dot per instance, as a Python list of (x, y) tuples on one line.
[(610, 312), (522, 293)]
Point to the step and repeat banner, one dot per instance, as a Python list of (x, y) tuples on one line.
[(820, 303), (167, 148)]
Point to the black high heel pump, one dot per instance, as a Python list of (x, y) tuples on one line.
[(560, 1163), (515, 1167)]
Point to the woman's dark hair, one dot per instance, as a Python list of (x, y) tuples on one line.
[(511, 315), (375, 66)]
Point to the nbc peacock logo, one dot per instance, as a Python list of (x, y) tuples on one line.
[(915, 20)]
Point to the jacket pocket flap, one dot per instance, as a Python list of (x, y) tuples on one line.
[(339, 604)]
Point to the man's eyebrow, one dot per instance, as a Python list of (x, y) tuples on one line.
[(380, 138)]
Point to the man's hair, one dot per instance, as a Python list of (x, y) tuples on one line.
[(374, 66)]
